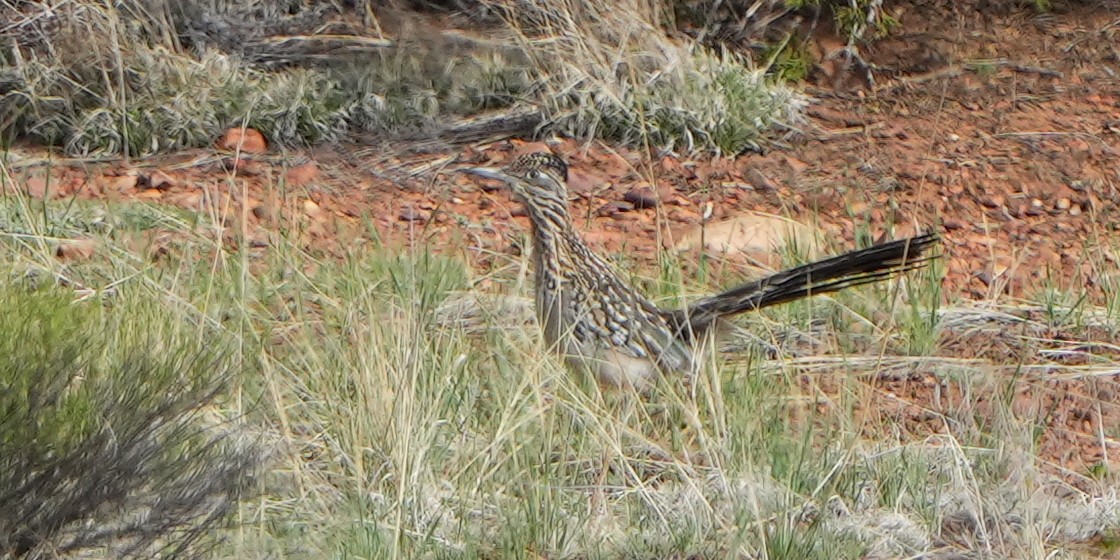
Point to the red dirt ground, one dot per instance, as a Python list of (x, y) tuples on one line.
[(1003, 131)]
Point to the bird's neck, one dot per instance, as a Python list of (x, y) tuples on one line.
[(551, 241), (549, 218), (551, 228)]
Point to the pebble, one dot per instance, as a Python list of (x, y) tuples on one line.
[(641, 197), (992, 201), (760, 181), (156, 180), (684, 215), (262, 211), (615, 207), (246, 140), (411, 214)]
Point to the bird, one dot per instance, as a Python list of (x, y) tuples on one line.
[(602, 326)]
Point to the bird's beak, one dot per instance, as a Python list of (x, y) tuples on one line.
[(489, 173)]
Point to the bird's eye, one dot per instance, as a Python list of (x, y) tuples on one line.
[(534, 174)]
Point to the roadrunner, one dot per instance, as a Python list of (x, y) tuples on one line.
[(601, 325)]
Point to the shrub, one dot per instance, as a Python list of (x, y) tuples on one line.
[(108, 437)]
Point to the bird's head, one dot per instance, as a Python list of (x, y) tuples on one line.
[(538, 179)]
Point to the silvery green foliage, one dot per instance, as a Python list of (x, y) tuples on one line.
[(109, 437)]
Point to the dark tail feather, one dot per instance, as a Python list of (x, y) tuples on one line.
[(850, 269)]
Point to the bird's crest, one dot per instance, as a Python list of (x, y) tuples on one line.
[(540, 160)]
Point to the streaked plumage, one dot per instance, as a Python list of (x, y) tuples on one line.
[(600, 324)]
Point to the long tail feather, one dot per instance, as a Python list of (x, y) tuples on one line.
[(829, 275)]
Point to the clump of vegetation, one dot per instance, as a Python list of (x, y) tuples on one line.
[(138, 76), (613, 72), (151, 77), (108, 437), (135, 79), (754, 24)]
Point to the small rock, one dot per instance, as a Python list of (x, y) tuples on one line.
[(761, 182), (456, 200), (155, 180), (1075, 210), (518, 211), (311, 209), (484, 203), (1063, 204), (302, 175), (641, 197), (614, 207), (412, 214), (953, 225), (262, 211), (119, 184), (246, 140), (994, 201), (684, 215), (954, 138), (76, 249)]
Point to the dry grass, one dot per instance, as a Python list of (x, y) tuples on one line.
[(150, 77), (139, 77), (401, 431), (406, 423), (111, 440)]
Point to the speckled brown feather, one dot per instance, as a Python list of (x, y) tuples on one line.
[(599, 323)]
